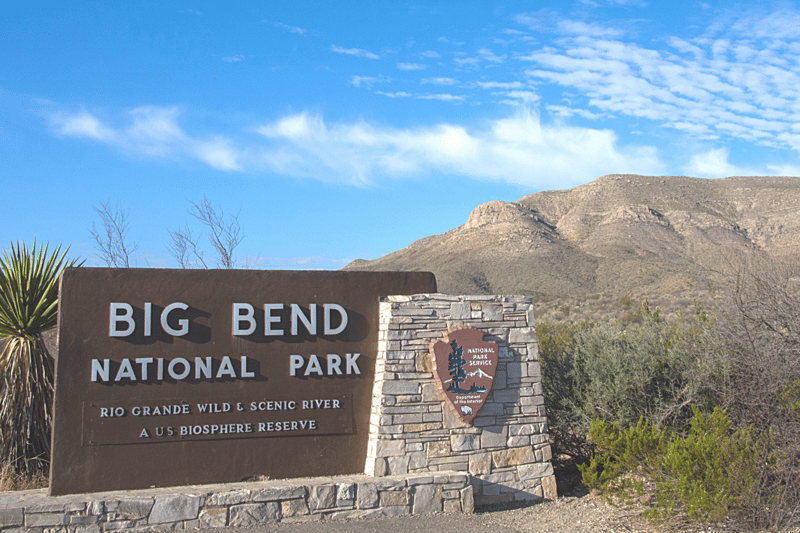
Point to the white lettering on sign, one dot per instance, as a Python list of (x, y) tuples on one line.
[(177, 369), (244, 320), (122, 313), (312, 366)]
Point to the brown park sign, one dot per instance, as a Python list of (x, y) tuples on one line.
[(181, 377), (464, 368)]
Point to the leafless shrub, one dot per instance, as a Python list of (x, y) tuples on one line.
[(113, 243), (224, 233)]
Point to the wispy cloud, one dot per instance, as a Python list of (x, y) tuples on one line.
[(443, 97), (290, 29), (461, 61), (358, 52), (399, 94), (410, 66), (153, 132), (368, 81), (499, 85), (233, 59), (430, 54), (715, 164), (440, 81), (488, 55), (738, 86), (517, 149)]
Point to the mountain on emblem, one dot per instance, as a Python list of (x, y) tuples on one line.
[(467, 364)]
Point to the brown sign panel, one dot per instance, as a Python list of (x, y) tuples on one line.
[(464, 367), (178, 377)]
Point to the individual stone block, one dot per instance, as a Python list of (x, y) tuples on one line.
[(322, 497), (296, 507), (134, 509), (439, 448), (451, 506), (83, 520), (215, 517), (480, 464), (390, 448), (174, 508), (398, 465), (522, 335), (549, 489), (96, 508), (467, 499), (492, 313), (45, 519), (11, 517), (512, 457), (494, 436), (367, 496), (254, 514), (345, 494), (427, 499), (89, 528), (535, 470), (463, 443), (391, 498), (460, 310)]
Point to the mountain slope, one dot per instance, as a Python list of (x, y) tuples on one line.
[(620, 234)]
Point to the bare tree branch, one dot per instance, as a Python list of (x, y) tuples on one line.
[(112, 244), (224, 234)]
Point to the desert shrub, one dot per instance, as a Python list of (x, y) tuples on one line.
[(28, 308), (618, 372), (760, 325), (709, 474)]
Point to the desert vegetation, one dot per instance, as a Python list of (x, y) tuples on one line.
[(28, 309), (696, 417)]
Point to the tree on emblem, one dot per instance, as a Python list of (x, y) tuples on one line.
[(455, 365)]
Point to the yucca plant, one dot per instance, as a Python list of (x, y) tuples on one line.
[(28, 308)]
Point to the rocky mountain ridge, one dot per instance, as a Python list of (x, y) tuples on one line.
[(618, 235)]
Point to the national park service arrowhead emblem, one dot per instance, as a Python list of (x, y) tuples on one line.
[(464, 367)]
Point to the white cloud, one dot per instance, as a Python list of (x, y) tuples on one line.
[(715, 164), (517, 149), (398, 94), (154, 132), (734, 87), (440, 81), (430, 54), (499, 85), (521, 97), (410, 66), (358, 52), (233, 59), (290, 29), (488, 55), (461, 61), (566, 112), (358, 81), (443, 97)]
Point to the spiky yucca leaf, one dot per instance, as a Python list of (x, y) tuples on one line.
[(28, 308)]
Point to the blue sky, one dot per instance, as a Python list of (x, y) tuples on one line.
[(344, 130)]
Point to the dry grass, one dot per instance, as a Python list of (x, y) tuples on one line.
[(12, 480)]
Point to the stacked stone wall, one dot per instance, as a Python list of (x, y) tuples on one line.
[(412, 429), (236, 504)]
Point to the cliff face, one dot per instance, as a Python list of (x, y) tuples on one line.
[(620, 234)]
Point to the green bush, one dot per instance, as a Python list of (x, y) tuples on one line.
[(708, 474), (620, 372)]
